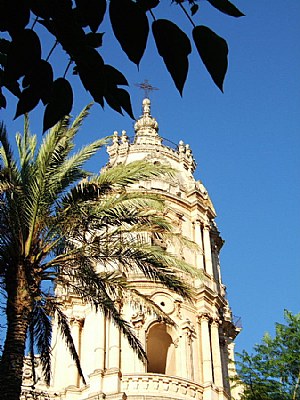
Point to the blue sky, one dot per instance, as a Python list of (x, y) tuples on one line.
[(246, 143)]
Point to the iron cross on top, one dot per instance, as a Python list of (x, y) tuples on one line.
[(147, 87)]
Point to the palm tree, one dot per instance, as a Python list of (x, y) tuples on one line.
[(60, 225)]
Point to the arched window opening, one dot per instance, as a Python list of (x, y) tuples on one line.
[(160, 351)]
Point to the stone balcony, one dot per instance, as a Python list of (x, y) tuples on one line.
[(160, 386)]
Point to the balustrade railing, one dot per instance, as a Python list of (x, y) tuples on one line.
[(161, 386)]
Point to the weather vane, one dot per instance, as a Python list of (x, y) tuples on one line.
[(147, 87)]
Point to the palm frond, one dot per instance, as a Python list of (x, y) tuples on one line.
[(6, 152), (140, 301), (102, 293), (26, 145), (78, 121), (155, 264), (124, 175), (70, 171), (65, 330), (42, 332), (31, 350)]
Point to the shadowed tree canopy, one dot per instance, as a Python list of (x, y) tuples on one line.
[(75, 26)]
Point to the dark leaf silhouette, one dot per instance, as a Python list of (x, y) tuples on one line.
[(4, 46), (14, 16), (146, 5), (41, 8), (124, 99), (24, 53), (28, 100), (194, 9), (3, 59), (173, 46), (90, 68), (13, 86), (40, 78), (130, 26), (90, 13), (60, 104), (74, 24), (2, 100), (94, 39), (213, 51), (114, 76), (226, 7), (119, 99)]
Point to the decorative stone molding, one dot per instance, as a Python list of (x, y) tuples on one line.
[(189, 330), (204, 317), (165, 302), (138, 319), (178, 304), (77, 320), (215, 322), (160, 386)]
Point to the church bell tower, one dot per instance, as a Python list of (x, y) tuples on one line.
[(187, 361)]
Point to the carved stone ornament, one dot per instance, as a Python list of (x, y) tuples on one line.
[(178, 304), (138, 319), (77, 320), (165, 302), (189, 329)]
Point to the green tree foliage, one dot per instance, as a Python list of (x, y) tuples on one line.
[(85, 237), (273, 371), (75, 25)]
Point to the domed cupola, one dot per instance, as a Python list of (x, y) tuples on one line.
[(146, 127)]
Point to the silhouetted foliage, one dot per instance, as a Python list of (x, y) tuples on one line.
[(74, 25)]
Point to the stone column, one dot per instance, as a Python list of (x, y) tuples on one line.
[(99, 335), (111, 379), (76, 325), (207, 250), (114, 347), (216, 354), (231, 364), (190, 335), (206, 349), (225, 361), (199, 242)]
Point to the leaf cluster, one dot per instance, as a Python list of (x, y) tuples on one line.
[(272, 372), (75, 25)]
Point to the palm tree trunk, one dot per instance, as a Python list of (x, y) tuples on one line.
[(18, 312)]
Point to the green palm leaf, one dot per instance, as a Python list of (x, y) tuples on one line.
[(88, 234)]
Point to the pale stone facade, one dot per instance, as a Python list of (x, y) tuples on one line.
[(187, 361)]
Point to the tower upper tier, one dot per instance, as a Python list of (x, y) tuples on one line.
[(149, 145)]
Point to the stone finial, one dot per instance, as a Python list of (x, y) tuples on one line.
[(146, 127), (146, 107), (124, 137), (115, 138)]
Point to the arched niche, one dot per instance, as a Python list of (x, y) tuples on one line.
[(160, 350)]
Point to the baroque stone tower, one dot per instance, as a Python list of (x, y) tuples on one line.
[(190, 360)]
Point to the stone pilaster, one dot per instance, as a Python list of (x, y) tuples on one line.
[(198, 240), (99, 335), (76, 326), (216, 355), (207, 249), (206, 349)]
